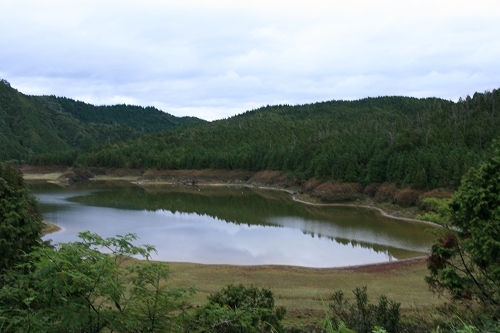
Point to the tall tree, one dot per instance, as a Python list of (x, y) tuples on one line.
[(465, 260), (20, 221), (74, 287)]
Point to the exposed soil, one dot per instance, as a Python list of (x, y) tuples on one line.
[(387, 266), (396, 265)]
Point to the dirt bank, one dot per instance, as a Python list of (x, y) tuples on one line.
[(392, 202)]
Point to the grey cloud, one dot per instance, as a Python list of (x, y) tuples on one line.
[(220, 59)]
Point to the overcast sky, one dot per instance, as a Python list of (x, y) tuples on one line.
[(214, 59)]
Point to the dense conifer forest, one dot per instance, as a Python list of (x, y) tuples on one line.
[(59, 127), (423, 143)]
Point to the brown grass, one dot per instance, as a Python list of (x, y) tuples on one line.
[(331, 192), (310, 185), (301, 290), (385, 192), (406, 197), (273, 178), (371, 189), (196, 176)]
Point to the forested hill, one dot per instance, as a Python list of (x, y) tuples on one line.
[(425, 143), (144, 120), (31, 125)]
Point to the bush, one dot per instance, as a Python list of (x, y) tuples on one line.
[(406, 197), (239, 309), (73, 287), (371, 189), (338, 191), (385, 192), (361, 316)]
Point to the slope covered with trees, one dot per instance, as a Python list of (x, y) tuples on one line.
[(143, 120), (31, 125), (425, 143)]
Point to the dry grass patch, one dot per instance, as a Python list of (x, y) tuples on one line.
[(301, 290)]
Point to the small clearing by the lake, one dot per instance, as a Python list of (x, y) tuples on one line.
[(49, 228)]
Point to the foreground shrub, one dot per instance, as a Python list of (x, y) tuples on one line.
[(73, 287), (362, 316), (239, 309), (464, 261)]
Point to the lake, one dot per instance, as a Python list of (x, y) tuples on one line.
[(230, 225)]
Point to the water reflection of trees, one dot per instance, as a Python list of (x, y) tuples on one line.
[(244, 206), (235, 205), (390, 251)]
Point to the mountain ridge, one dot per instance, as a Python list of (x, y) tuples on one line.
[(31, 125)]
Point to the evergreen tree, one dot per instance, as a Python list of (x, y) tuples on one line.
[(20, 221), (465, 260)]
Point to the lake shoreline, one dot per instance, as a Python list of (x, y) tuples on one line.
[(300, 289), (295, 195), (54, 175), (50, 228)]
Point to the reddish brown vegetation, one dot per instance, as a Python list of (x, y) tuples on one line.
[(338, 191), (371, 189), (273, 178), (406, 197), (197, 176), (385, 192), (310, 185)]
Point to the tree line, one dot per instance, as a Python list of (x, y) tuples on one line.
[(58, 128), (423, 143)]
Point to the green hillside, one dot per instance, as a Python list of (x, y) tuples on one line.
[(143, 120), (33, 125), (425, 143)]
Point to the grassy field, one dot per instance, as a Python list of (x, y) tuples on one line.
[(303, 290)]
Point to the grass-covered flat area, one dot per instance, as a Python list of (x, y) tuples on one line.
[(305, 291)]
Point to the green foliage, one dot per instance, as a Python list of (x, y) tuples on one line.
[(20, 221), (362, 316), (464, 261), (75, 287), (239, 309), (423, 143), (440, 211), (47, 130)]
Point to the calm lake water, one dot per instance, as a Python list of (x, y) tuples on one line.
[(227, 225)]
